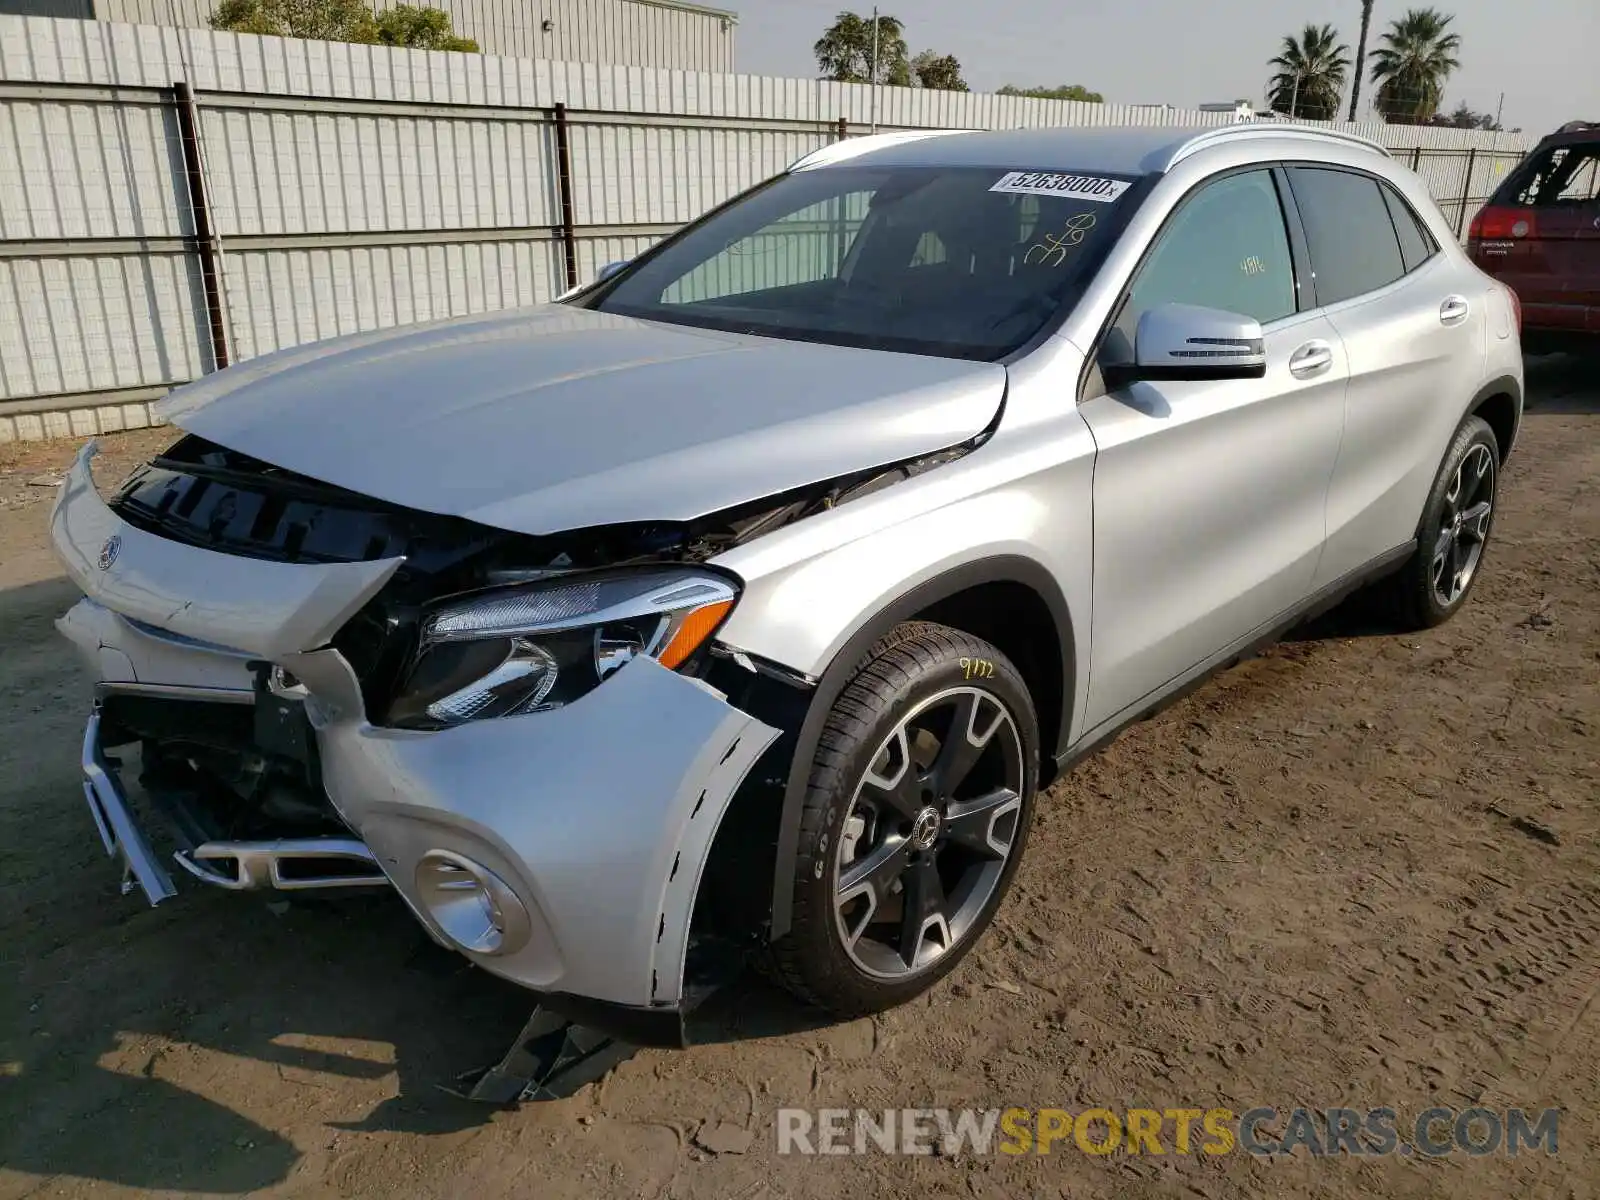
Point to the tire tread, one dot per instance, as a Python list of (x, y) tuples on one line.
[(886, 671)]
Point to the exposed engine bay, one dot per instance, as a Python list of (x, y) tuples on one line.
[(230, 772)]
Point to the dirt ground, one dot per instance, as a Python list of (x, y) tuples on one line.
[(1360, 870)]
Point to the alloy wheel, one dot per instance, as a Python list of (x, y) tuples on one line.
[(929, 832), (1463, 525)]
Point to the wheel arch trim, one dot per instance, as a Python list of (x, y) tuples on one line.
[(1004, 568), (1501, 385)]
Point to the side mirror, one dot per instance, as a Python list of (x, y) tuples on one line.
[(1183, 341), (605, 273)]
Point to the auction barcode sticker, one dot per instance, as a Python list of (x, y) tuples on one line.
[(1073, 187)]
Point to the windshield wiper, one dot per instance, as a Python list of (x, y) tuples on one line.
[(1043, 302)]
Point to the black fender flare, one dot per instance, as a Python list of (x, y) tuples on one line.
[(841, 669), (1503, 385)]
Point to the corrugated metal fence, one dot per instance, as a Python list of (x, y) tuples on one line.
[(347, 187)]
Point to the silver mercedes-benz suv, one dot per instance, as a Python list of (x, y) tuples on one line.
[(745, 598)]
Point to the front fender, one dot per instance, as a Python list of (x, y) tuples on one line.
[(597, 818), (818, 594)]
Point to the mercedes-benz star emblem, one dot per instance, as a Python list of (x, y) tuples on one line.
[(109, 552)]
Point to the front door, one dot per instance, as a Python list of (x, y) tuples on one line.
[(1209, 497)]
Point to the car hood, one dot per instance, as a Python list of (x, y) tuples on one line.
[(551, 418)]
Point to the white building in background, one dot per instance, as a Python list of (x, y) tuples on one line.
[(635, 33)]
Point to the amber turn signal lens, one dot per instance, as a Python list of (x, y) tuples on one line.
[(696, 628)]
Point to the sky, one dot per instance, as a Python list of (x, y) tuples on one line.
[(1544, 55)]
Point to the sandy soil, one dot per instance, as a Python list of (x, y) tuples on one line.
[(1327, 878)]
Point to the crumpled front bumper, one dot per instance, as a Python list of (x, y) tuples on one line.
[(562, 850), (119, 832)]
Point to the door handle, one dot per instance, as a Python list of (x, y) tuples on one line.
[(1454, 310), (1311, 359)]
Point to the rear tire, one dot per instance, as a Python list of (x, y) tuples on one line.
[(916, 815), (1453, 534)]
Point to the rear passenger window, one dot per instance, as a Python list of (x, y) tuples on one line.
[(1354, 248), (1416, 243)]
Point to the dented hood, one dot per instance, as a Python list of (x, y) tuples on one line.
[(551, 418)]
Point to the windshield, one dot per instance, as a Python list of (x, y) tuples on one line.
[(966, 263)]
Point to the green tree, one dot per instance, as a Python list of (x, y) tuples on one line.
[(1464, 116), (341, 21), (1410, 68), (844, 52), (1361, 56), (322, 20), (942, 71), (421, 29), (1310, 74), (1065, 91)]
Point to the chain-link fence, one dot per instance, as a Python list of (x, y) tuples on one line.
[(1462, 181)]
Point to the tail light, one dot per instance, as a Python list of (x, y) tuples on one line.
[(1500, 224)]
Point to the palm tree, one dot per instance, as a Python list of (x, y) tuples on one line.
[(1361, 56), (1417, 56), (1310, 74)]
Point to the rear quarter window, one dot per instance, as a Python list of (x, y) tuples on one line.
[(1349, 233), (1416, 243)]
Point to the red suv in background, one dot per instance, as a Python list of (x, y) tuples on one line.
[(1540, 235)]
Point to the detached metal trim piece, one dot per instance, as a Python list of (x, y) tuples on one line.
[(168, 691), (764, 666), (118, 833), (258, 866)]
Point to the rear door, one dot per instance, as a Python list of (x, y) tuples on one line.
[(1209, 496), (1545, 241), (1412, 319)]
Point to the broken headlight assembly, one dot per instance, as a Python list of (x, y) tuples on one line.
[(540, 646)]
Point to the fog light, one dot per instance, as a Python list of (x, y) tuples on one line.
[(472, 906)]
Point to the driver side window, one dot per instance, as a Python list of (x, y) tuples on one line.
[(1225, 248)]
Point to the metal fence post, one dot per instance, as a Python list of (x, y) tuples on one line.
[(842, 129), (569, 241), (1416, 158), (1466, 191), (207, 245)]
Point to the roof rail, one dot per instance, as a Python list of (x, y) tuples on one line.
[(1578, 126), (1230, 133), (850, 147)]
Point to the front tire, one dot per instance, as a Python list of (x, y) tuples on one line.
[(915, 817), (1454, 531)]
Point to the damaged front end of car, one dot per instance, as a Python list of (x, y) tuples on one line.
[(329, 691)]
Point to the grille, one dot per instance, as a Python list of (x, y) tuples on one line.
[(206, 495)]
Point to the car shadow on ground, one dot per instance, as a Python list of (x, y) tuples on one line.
[(109, 1009), (1563, 383)]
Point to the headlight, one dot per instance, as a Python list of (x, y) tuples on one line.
[(524, 649)]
